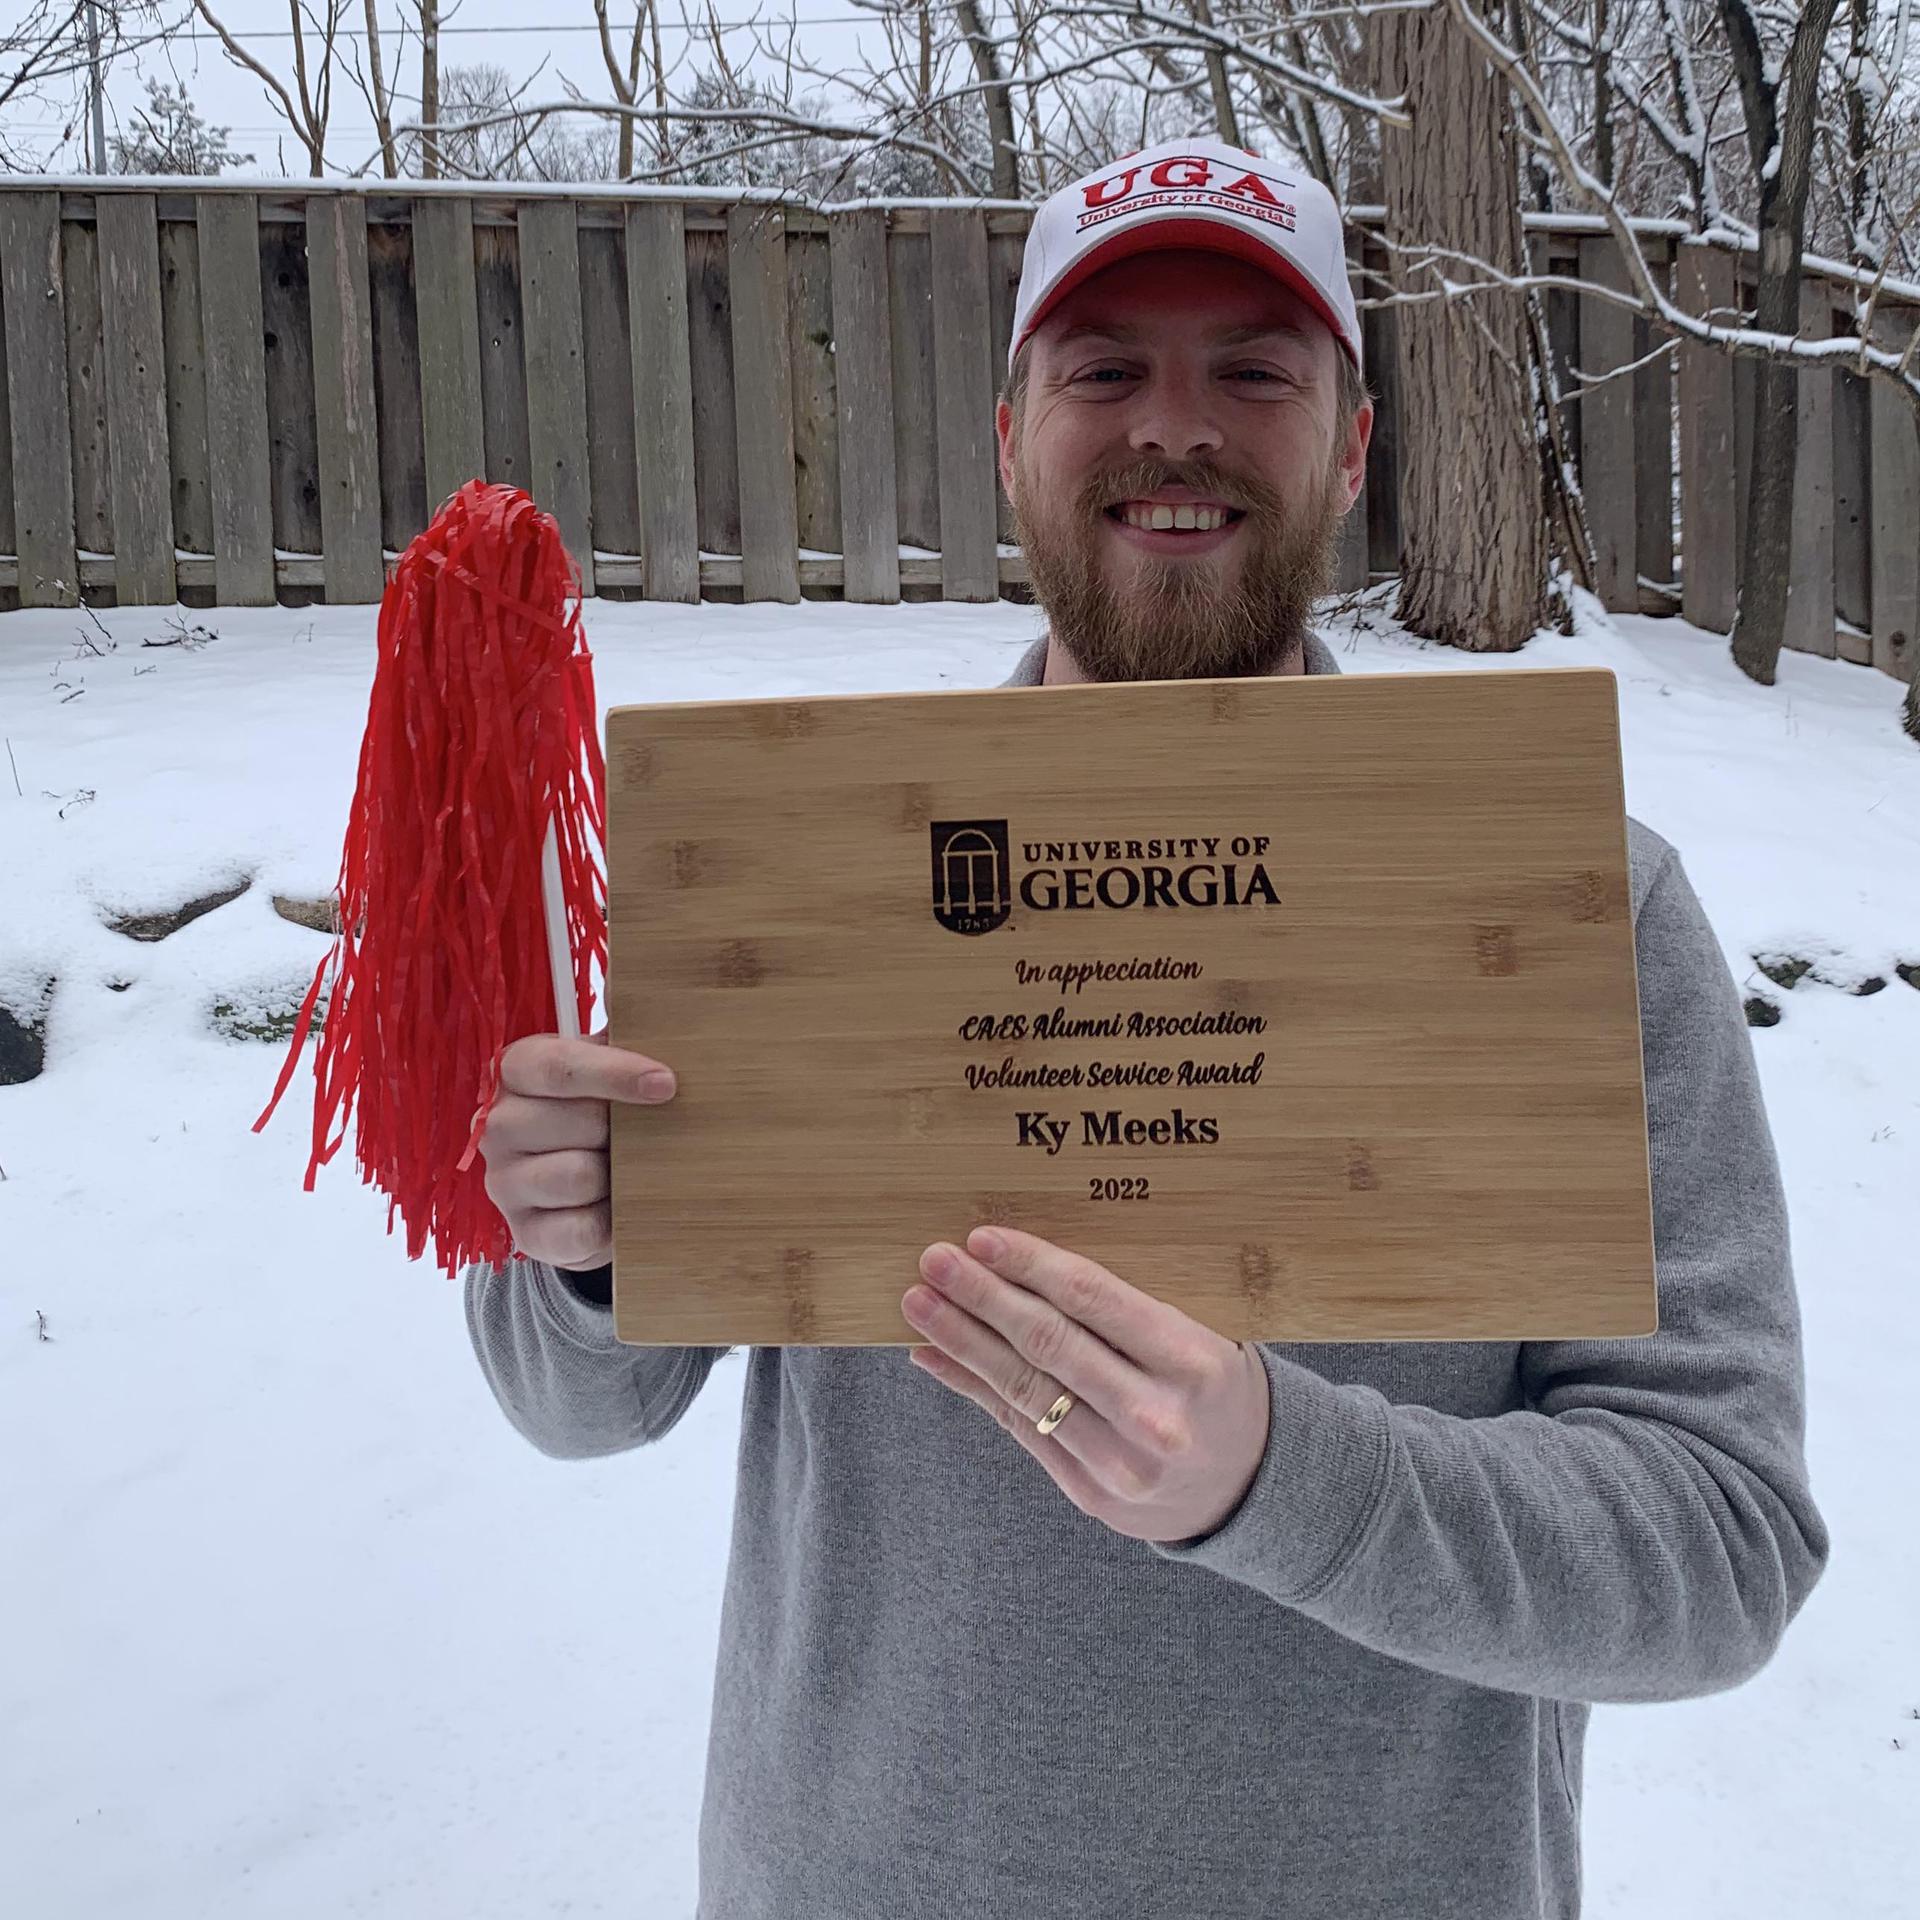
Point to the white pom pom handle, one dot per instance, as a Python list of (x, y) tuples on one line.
[(559, 955)]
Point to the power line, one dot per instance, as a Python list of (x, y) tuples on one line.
[(574, 26)]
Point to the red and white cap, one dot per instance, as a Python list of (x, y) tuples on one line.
[(1191, 193)]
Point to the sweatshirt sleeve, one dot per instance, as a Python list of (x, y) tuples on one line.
[(562, 1376), (1643, 1529)]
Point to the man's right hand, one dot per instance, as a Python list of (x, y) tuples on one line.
[(545, 1142)]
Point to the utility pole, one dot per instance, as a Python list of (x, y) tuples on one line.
[(96, 91)]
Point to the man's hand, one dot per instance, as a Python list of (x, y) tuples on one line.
[(546, 1139), (1170, 1420)]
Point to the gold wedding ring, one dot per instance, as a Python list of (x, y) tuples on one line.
[(1055, 1414)]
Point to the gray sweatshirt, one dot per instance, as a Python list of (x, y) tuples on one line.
[(944, 1692)]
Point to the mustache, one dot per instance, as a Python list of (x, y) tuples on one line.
[(1249, 495)]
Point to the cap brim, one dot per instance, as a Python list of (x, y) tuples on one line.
[(1207, 236)]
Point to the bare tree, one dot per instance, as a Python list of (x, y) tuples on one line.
[(995, 99), (307, 104), (429, 85), (1780, 108), (641, 63), (373, 83), (489, 131), (49, 48)]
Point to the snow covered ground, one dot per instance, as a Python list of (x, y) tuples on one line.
[(292, 1624)]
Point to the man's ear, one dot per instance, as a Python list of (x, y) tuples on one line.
[(1353, 456), (1003, 433)]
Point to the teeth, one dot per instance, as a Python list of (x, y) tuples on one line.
[(1161, 518)]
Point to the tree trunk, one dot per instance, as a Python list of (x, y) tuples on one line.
[(995, 98), (1473, 551), (1784, 162), (1226, 122), (430, 87), (377, 91)]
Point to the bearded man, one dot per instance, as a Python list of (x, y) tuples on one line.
[(1088, 1611)]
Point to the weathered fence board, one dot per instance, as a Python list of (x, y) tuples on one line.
[(1562, 311), (294, 440), (343, 397), (916, 446), (42, 447), (136, 398), (6, 436), (963, 403), (863, 397), (396, 384), (503, 371), (1005, 254), (608, 349), (1380, 348), (447, 310), (1606, 426), (556, 374), (1852, 517), (1743, 384), (239, 456), (1896, 513), (763, 403), (716, 452), (815, 379), (186, 384), (1653, 450), (1810, 627), (1350, 571), (88, 413), (657, 295), (1745, 369), (1708, 513)]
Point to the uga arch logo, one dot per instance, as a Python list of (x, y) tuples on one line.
[(1186, 180), (972, 877)]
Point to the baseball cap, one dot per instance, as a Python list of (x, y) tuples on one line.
[(1191, 193)]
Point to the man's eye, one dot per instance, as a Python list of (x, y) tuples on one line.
[(1265, 375), (1100, 373)]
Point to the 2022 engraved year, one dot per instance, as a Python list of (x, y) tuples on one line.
[(1123, 1187)]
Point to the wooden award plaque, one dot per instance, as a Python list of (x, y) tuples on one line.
[(1306, 1004)]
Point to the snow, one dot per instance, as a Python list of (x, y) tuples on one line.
[(297, 1627), (298, 186)]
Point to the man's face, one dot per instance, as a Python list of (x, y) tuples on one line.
[(1193, 383)]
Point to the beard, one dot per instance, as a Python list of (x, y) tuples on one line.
[(1177, 619)]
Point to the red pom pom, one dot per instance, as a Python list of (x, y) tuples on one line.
[(481, 729)]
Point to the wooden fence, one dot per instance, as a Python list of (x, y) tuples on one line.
[(233, 395)]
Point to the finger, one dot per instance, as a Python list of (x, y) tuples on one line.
[(537, 1181), (566, 1236), (1052, 1450), (1108, 1449), (1033, 1343), (521, 1124), (1159, 1339), (553, 1066)]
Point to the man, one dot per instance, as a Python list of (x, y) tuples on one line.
[(1255, 1632)]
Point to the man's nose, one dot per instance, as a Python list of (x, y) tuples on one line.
[(1174, 416)]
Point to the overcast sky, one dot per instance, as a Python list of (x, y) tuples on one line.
[(515, 36)]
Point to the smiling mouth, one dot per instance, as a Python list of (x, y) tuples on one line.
[(1159, 517)]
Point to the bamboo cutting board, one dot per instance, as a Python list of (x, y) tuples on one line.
[(1306, 1004)]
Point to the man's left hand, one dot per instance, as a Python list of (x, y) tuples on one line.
[(1169, 1422)]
